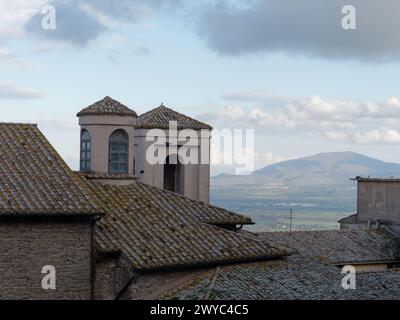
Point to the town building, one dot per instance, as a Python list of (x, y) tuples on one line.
[(116, 230), (378, 203), (115, 140)]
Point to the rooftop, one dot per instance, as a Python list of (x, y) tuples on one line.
[(158, 229), (369, 179), (310, 274), (160, 118), (286, 280), (107, 107), (340, 246), (34, 178)]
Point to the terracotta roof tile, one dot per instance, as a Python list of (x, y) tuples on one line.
[(340, 246), (287, 279), (107, 107), (160, 117), (311, 274), (33, 177), (157, 229)]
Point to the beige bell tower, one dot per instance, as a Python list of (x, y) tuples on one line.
[(107, 138), (115, 141), (192, 179)]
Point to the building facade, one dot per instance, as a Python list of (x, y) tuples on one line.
[(161, 147), (378, 202)]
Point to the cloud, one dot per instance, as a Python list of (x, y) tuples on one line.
[(344, 121), (14, 14), (289, 112), (378, 136), (263, 118), (373, 136), (305, 27), (13, 92), (73, 24), (78, 22), (130, 10), (232, 112), (336, 135)]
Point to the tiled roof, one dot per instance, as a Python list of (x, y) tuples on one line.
[(287, 280), (157, 229), (107, 107), (33, 177), (310, 274), (160, 117), (349, 219), (340, 246)]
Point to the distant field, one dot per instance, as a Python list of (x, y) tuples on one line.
[(314, 208)]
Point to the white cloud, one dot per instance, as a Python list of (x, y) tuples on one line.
[(372, 136), (14, 14), (263, 118), (11, 91), (232, 112), (378, 136), (315, 108), (336, 135), (344, 121)]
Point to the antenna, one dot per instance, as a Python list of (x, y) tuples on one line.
[(291, 219)]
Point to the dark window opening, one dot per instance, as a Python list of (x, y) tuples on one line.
[(86, 148), (173, 176), (118, 154)]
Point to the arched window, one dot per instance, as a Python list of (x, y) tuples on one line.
[(118, 154), (86, 147)]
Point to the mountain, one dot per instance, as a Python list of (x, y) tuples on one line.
[(323, 168), (317, 188)]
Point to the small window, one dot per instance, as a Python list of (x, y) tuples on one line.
[(118, 157), (86, 147)]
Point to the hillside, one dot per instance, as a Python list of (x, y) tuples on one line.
[(321, 169), (318, 188)]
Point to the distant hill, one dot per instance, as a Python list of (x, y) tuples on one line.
[(323, 168), (317, 188)]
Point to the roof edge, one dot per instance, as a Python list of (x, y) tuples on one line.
[(214, 263)]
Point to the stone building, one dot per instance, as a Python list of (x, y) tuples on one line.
[(46, 218), (113, 235), (378, 203)]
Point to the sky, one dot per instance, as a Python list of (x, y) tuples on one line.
[(289, 71)]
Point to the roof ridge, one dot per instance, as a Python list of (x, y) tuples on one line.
[(158, 118), (18, 124), (107, 106)]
